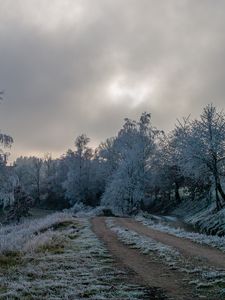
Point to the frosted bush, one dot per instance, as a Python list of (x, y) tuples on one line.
[(80, 207)]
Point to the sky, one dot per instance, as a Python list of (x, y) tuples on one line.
[(69, 67)]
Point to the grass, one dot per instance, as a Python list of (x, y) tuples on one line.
[(65, 224), (29, 234), (66, 261), (10, 259), (55, 247)]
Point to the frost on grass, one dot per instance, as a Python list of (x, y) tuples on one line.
[(146, 244), (210, 240), (203, 215), (205, 279), (31, 233), (82, 269)]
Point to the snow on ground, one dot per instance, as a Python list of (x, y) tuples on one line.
[(59, 257), (210, 240), (202, 277)]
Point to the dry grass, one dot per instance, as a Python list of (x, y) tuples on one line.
[(67, 262)]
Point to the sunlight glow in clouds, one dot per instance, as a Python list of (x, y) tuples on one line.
[(135, 93)]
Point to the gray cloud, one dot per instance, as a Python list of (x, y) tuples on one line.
[(82, 66)]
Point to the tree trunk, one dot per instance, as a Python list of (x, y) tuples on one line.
[(218, 204), (219, 188), (38, 193), (177, 194), (169, 196), (155, 195), (192, 193)]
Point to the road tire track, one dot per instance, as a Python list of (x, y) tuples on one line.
[(147, 271), (191, 250)]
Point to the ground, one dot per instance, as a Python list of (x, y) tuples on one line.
[(182, 268), (60, 256)]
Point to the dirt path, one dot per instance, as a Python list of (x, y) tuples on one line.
[(148, 272), (205, 254)]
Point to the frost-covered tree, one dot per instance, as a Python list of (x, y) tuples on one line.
[(30, 173), (6, 140), (49, 197), (54, 175), (77, 184), (200, 146), (140, 168), (20, 206), (6, 185), (134, 147), (108, 156)]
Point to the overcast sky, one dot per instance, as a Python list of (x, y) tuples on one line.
[(80, 66)]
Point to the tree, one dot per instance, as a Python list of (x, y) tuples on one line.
[(135, 146), (6, 187), (21, 205), (54, 173), (200, 145), (78, 176), (6, 140), (30, 173)]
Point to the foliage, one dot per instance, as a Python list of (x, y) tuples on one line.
[(139, 168), (20, 206)]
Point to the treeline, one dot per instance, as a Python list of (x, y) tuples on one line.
[(140, 168)]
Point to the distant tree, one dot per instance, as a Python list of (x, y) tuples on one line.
[(6, 187), (77, 184), (20, 207), (48, 181), (53, 174), (139, 168), (30, 173), (6, 141)]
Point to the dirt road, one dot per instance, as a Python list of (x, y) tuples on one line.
[(151, 272), (208, 256)]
